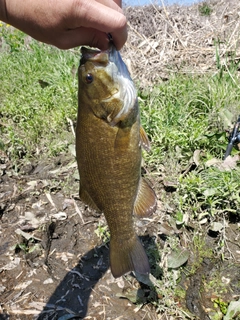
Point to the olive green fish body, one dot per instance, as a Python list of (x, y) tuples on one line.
[(108, 148)]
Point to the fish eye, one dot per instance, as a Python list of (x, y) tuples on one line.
[(89, 78)]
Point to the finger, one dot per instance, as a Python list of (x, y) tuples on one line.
[(118, 2), (114, 4), (83, 36), (100, 16), (119, 39), (103, 18)]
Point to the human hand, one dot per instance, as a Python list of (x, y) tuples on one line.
[(68, 23)]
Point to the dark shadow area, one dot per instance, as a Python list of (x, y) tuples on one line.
[(4, 317), (71, 298), (147, 292), (72, 295), (193, 296), (233, 217)]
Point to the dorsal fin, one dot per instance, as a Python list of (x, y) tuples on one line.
[(144, 140), (146, 201)]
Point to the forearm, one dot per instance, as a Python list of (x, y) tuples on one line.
[(3, 12), (13, 13)]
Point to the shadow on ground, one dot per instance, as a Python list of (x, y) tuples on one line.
[(73, 298), (73, 293)]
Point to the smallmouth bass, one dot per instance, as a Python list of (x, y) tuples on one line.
[(109, 138)]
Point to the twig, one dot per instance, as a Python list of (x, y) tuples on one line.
[(71, 126), (78, 211)]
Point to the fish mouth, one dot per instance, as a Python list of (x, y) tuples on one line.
[(93, 55), (109, 58), (111, 55)]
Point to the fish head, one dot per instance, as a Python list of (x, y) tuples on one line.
[(94, 76), (104, 80)]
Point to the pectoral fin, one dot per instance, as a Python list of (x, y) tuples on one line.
[(146, 201), (86, 198), (122, 139), (144, 140)]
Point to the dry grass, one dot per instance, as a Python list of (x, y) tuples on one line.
[(168, 39)]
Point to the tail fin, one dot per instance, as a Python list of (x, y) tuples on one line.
[(128, 256)]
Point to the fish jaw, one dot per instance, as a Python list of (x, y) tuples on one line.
[(128, 91), (93, 55)]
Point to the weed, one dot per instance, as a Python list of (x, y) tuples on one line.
[(26, 246), (205, 9), (222, 305), (182, 116), (211, 191), (103, 233)]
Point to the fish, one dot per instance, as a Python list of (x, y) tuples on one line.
[(109, 142)]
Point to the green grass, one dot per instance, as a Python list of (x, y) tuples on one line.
[(205, 9), (188, 114), (33, 116)]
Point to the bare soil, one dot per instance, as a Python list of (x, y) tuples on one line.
[(54, 266), (67, 273)]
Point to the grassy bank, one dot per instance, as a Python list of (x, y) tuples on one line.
[(187, 119), (37, 95)]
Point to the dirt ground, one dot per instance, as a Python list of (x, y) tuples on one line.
[(67, 274), (54, 266)]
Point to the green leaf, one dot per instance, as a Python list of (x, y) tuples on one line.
[(233, 310), (133, 295), (216, 226), (209, 192), (177, 258), (227, 117)]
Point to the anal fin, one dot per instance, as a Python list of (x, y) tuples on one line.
[(146, 201)]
